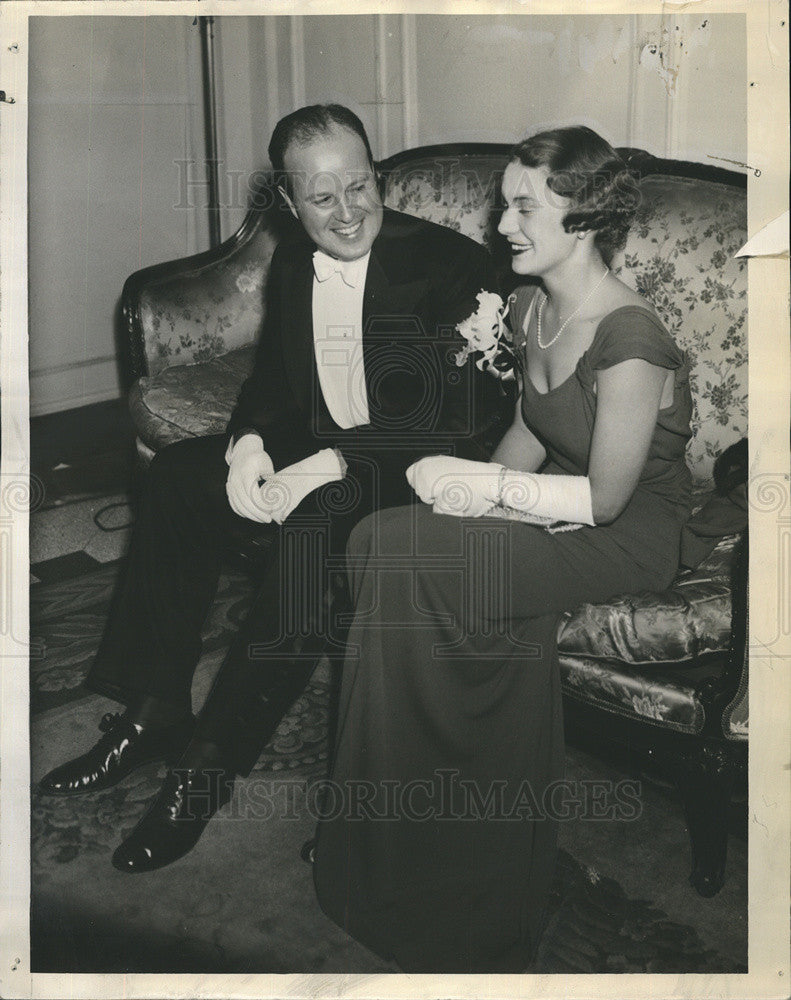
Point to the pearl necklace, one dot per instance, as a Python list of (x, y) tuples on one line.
[(571, 315)]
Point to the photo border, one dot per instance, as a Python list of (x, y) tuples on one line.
[(770, 535)]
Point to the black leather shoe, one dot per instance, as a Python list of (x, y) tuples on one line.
[(308, 851), (173, 825), (121, 750)]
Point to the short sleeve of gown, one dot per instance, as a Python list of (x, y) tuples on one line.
[(518, 304), (633, 332)]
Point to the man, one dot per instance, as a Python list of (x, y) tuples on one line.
[(353, 380)]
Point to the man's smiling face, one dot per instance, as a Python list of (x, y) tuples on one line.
[(333, 193)]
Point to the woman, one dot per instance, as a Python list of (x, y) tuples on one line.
[(450, 743)]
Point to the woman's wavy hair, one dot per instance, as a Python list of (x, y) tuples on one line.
[(585, 168)]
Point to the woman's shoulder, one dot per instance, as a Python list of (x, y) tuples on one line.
[(632, 329), (625, 299)]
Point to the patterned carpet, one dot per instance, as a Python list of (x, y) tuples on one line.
[(67, 619), (243, 901), (595, 927)]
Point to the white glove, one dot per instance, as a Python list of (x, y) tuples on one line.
[(455, 486), (284, 491), (564, 498), (248, 465)]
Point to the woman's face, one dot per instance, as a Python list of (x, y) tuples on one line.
[(533, 221)]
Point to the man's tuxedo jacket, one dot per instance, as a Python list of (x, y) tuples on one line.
[(422, 280)]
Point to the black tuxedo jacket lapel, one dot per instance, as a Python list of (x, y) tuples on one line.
[(389, 291), (377, 288), (297, 326), (390, 311)]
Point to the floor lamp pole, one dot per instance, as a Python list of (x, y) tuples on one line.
[(210, 126)]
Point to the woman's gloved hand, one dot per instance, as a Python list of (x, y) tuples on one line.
[(456, 486)]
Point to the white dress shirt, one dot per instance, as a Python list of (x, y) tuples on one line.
[(338, 336)]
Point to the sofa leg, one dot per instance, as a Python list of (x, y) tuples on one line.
[(705, 781)]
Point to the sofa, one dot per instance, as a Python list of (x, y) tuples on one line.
[(665, 674)]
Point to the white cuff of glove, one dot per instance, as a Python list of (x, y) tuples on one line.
[(563, 498), (248, 444), (284, 491)]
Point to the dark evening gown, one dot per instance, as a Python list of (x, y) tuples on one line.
[(438, 829)]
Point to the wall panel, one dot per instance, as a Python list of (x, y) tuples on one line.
[(114, 114)]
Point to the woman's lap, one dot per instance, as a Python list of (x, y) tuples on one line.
[(499, 569)]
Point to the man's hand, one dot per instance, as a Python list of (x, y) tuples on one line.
[(455, 485), (284, 491), (248, 465)]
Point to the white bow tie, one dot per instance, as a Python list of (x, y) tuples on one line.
[(325, 266)]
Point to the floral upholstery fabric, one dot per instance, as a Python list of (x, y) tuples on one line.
[(662, 698), (679, 255), (459, 192), (195, 314)]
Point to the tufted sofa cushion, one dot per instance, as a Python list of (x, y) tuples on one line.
[(188, 400), (736, 717), (675, 626), (644, 655)]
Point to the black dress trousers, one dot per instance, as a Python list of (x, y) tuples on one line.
[(185, 524)]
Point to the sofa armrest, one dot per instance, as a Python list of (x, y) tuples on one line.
[(197, 308), (735, 716)]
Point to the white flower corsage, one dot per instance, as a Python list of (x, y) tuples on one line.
[(486, 333)]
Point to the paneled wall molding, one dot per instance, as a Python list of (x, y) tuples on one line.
[(297, 51), (272, 96), (70, 365), (657, 44), (630, 93), (111, 199), (674, 92), (380, 62), (409, 80), (65, 387)]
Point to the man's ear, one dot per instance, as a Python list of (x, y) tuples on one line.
[(286, 198)]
